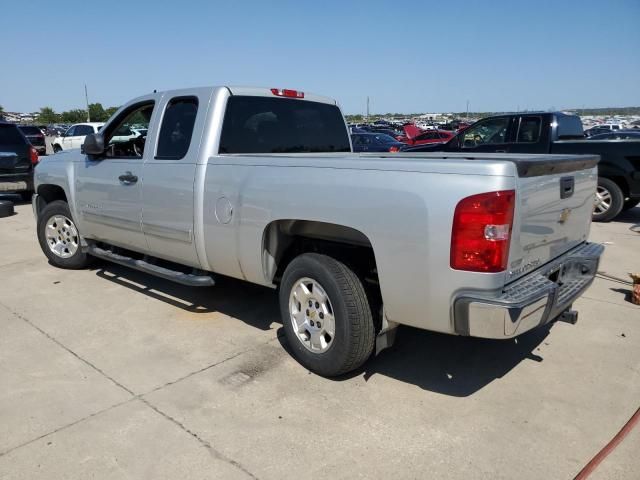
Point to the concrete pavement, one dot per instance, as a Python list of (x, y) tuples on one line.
[(110, 373)]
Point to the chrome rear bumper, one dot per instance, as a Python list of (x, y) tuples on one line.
[(531, 301)]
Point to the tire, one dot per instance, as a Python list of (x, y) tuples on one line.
[(57, 148), (609, 200), (67, 252), (6, 208), (629, 204), (346, 302)]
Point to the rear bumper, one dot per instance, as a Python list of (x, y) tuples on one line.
[(15, 185), (531, 301)]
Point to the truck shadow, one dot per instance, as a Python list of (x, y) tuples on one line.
[(453, 365), (446, 364), (252, 304)]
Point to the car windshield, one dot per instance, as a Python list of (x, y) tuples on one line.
[(383, 138), (31, 130), (9, 135)]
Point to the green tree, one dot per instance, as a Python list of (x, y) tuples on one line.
[(110, 111), (47, 116), (74, 116), (1, 109), (97, 112)]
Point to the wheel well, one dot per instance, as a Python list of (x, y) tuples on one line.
[(48, 194), (283, 240), (621, 182)]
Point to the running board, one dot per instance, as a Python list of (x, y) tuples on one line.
[(189, 279)]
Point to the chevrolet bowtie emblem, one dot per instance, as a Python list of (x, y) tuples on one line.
[(564, 215)]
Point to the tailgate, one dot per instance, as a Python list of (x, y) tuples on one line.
[(553, 210)]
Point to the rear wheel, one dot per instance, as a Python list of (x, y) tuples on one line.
[(608, 202), (59, 237), (326, 315)]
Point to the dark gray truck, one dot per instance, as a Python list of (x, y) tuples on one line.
[(559, 133)]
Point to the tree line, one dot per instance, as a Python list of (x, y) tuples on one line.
[(97, 113)]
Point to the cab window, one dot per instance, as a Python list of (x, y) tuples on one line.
[(121, 140), (488, 132), (177, 128), (529, 130)]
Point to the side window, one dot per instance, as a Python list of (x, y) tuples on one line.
[(177, 128), (529, 130), (489, 132), (82, 130), (120, 140), (71, 132)]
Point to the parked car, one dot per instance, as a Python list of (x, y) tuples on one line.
[(415, 136), (260, 185), (35, 137), (375, 142), (17, 160), (74, 136), (557, 133), (617, 135)]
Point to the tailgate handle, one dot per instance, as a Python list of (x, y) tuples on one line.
[(566, 187)]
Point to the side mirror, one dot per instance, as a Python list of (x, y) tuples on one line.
[(93, 144)]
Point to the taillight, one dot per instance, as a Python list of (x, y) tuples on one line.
[(33, 153), (284, 92), (394, 149), (481, 231)]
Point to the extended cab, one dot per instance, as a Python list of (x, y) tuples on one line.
[(261, 185), (557, 133)]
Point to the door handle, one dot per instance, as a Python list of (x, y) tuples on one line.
[(128, 178), (501, 151)]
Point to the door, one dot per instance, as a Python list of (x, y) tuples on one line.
[(109, 188), (169, 175), (490, 135), (80, 133), (66, 139)]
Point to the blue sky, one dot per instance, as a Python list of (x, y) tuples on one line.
[(413, 56)]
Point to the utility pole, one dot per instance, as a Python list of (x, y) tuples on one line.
[(86, 97), (467, 108), (367, 108)]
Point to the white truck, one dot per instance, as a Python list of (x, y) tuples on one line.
[(261, 185)]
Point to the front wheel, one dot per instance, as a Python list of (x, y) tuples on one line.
[(326, 315), (57, 148), (59, 237), (608, 202)]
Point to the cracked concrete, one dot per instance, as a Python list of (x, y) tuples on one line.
[(108, 373)]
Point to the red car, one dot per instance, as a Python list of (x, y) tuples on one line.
[(415, 136)]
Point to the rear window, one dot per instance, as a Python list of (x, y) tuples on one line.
[(282, 125), (9, 135), (569, 126), (31, 130)]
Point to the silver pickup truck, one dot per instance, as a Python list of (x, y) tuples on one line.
[(261, 185)]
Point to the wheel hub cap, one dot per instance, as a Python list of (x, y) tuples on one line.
[(62, 236), (602, 201), (311, 315)]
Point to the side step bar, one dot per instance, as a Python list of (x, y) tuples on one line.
[(173, 275)]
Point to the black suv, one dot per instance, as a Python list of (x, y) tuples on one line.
[(17, 161), (35, 137)]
